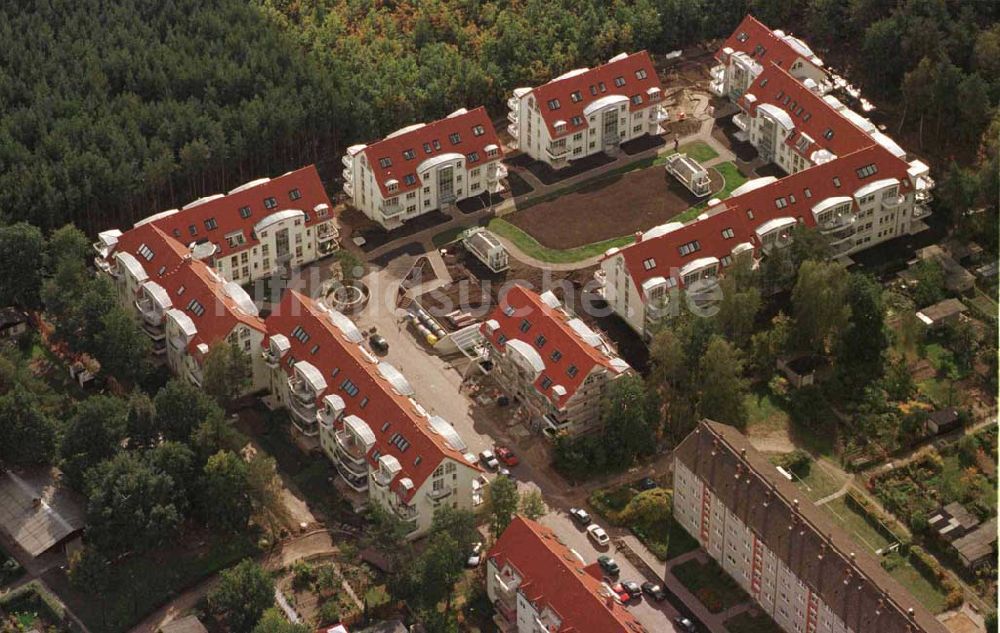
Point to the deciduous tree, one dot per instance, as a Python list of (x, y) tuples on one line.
[(723, 389), (242, 595), (227, 372), (93, 434)]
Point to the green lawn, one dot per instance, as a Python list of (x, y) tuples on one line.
[(819, 483), (710, 584), (927, 593), (766, 414), (939, 391), (699, 151), (447, 237), (529, 246), (752, 621), (855, 524)]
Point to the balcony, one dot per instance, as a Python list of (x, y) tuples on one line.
[(660, 115), (347, 160), (326, 232), (348, 175), (513, 103), (406, 513), (358, 483), (151, 313), (390, 209), (513, 130), (438, 495), (557, 152), (921, 211), (512, 116), (741, 121), (892, 202), (349, 189), (352, 452), (194, 374), (717, 84)]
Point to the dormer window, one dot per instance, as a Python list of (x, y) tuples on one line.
[(410, 179), (593, 90), (553, 104), (649, 264), (601, 86), (427, 148), (211, 224), (294, 194), (478, 130), (436, 143), (409, 154), (577, 120), (619, 81), (636, 99), (641, 73), (473, 157), (385, 163), (245, 212), (455, 138), (576, 97), (270, 202)]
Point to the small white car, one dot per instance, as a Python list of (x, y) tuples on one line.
[(598, 535), (488, 460), (475, 557)]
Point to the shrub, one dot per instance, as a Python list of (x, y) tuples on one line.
[(305, 575), (329, 612), (798, 462)]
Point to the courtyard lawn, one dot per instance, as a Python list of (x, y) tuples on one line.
[(765, 413), (530, 247), (699, 151), (752, 621), (710, 584), (926, 592), (856, 524), (447, 237), (820, 482)]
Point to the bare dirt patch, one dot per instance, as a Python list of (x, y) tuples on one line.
[(609, 207)]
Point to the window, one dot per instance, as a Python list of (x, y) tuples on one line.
[(636, 99), (508, 310), (525, 325), (410, 179), (572, 371), (867, 170), (556, 355), (828, 134), (836, 182), (270, 202), (399, 442), (473, 157), (210, 224), (146, 253), (546, 382), (728, 233), (807, 192), (436, 143), (385, 163), (409, 154), (478, 130), (245, 212), (575, 96), (300, 334), (641, 73), (649, 264), (763, 82), (781, 203), (749, 214), (294, 194), (726, 260), (593, 90), (455, 138), (600, 84), (577, 120), (315, 348), (553, 104), (349, 387), (539, 341), (619, 81), (690, 247), (196, 307)]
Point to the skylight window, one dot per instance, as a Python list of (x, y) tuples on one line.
[(619, 81), (146, 253), (553, 104), (455, 138), (478, 130), (245, 212), (300, 334), (385, 163), (575, 96), (409, 154), (294, 194), (641, 73), (270, 202), (410, 179), (196, 307), (649, 264)]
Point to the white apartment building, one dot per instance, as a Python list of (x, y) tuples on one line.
[(364, 413), (753, 46), (846, 178), (549, 360), (800, 568), (424, 167), (182, 304), (538, 585), (587, 110), (264, 227)]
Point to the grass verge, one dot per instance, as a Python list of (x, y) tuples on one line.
[(732, 178), (710, 584), (530, 247), (752, 621), (927, 593)]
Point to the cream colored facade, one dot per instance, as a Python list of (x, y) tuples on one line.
[(515, 611)]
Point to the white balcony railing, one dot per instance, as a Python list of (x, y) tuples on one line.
[(512, 116), (348, 174), (513, 103), (557, 152), (512, 129), (741, 121), (353, 452), (389, 209), (347, 160), (349, 189)]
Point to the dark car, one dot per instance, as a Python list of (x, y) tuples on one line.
[(683, 624), (608, 564), (378, 343), (648, 483), (654, 591), (632, 588), (580, 516)]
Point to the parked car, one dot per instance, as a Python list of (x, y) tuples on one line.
[(632, 588), (475, 556), (620, 594), (654, 591), (684, 624), (580, 516), (505, 472), (647, 483), (507, 456), (598, 535), (609, 565), (488, 460), (378, 343)]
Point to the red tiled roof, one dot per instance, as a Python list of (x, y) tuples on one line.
[(587, 85), (752, 33), (435, 136), (520, 304), (809, 112), (186, 280), (225, 210), (733, 212), (553, 576), (384, 406)]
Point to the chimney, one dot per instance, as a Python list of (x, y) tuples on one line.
[(743, 453), (638, 236), (911, 613), (36, 502)]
